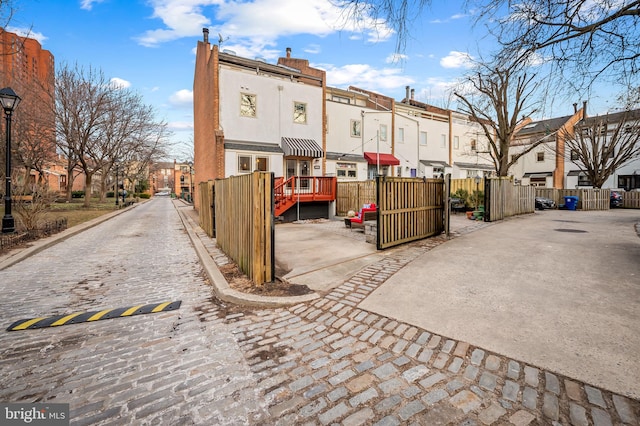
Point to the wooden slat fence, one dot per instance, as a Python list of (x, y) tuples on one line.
[(352, 195), (468, 184), (588, 199), (244, 223), (409, 209), (504, 199), (631, 200), (206, 212)]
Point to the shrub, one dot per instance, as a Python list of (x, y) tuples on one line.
[(145, 196), (77, 194), (110, 194)]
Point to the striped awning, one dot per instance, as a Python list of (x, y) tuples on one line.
[(296, 147)]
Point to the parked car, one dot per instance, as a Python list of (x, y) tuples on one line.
[(543, 203), (616, 199)]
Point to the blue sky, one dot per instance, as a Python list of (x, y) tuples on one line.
[(150, 45)]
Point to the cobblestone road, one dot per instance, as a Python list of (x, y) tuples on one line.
[(326, 362)]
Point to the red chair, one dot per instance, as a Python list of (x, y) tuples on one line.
[(368, 212)]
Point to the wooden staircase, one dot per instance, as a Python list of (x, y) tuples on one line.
[(303, 189)]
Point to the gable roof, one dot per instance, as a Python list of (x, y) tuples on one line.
[(543, 126)]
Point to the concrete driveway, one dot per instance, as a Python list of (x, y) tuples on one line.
[(557, 289)]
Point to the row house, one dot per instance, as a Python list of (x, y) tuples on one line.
[(250, 115), (552, 164)]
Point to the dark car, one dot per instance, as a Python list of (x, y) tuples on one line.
[(616, 199), (543, 203)]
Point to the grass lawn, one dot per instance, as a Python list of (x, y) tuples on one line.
[(75, 212)]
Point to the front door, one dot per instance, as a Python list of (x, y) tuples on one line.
[(301, 168)]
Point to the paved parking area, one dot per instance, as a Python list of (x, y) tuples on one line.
[(558, 289)]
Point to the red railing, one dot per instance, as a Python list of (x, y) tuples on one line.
[(303, 189)]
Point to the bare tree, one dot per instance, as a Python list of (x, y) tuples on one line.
[(34, 128), (498, 99), (99, 123), (582, 40), (384, 14), (600, 145)]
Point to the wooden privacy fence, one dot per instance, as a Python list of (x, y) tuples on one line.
[(206, 213), (352, 195), (588, 199), (468, 185), (244, 223), (631, 200), (409, 209), (504, 199)]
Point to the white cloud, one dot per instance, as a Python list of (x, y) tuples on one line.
[(257, 24), (394, 58), (26, 32), (119, 83), (180, 126), (313, 49), (366, 77), (457, 60), (182, 97), (88, 4)]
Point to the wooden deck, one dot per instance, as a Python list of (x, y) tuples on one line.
[(302, 189)]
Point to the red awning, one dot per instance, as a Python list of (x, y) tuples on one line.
[(385, 159)]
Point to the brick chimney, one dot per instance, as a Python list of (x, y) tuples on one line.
[(205, 33)]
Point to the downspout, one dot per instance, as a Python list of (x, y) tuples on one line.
[(451, 138)]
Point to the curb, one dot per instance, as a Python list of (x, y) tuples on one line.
[(220, 285), (18, 255)]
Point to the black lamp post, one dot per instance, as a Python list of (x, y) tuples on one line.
[(191, 181), (9, 101), (115, 187), (477, 179)]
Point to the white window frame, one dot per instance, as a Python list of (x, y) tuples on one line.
[(538, 159), (423, 138), (240, 163), (257, 158), (443, 141), (299, 110), (347, 170), (245, 106), (401, 134), (355, 128), (383, 132), (456, 142)]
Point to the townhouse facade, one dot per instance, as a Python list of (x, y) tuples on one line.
[(250, 115), (552, 164)]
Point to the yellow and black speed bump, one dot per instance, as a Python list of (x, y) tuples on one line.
[(29, 324)]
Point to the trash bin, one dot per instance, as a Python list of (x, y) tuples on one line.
[(571, 202)]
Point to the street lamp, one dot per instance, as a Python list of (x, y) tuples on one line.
[(477, 179), (115, 186), (9, 101), (191, 181)]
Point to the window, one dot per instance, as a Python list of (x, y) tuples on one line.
[(300, 113), (574, 155), (456, 142), (423, 138), (583, 180), (400, 134), (247, 105), (539, 157), (443, 141), (347, 170), (383, 132), (244, 163), (474, 145), (262, 164), (608, 154), (355, 128)]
